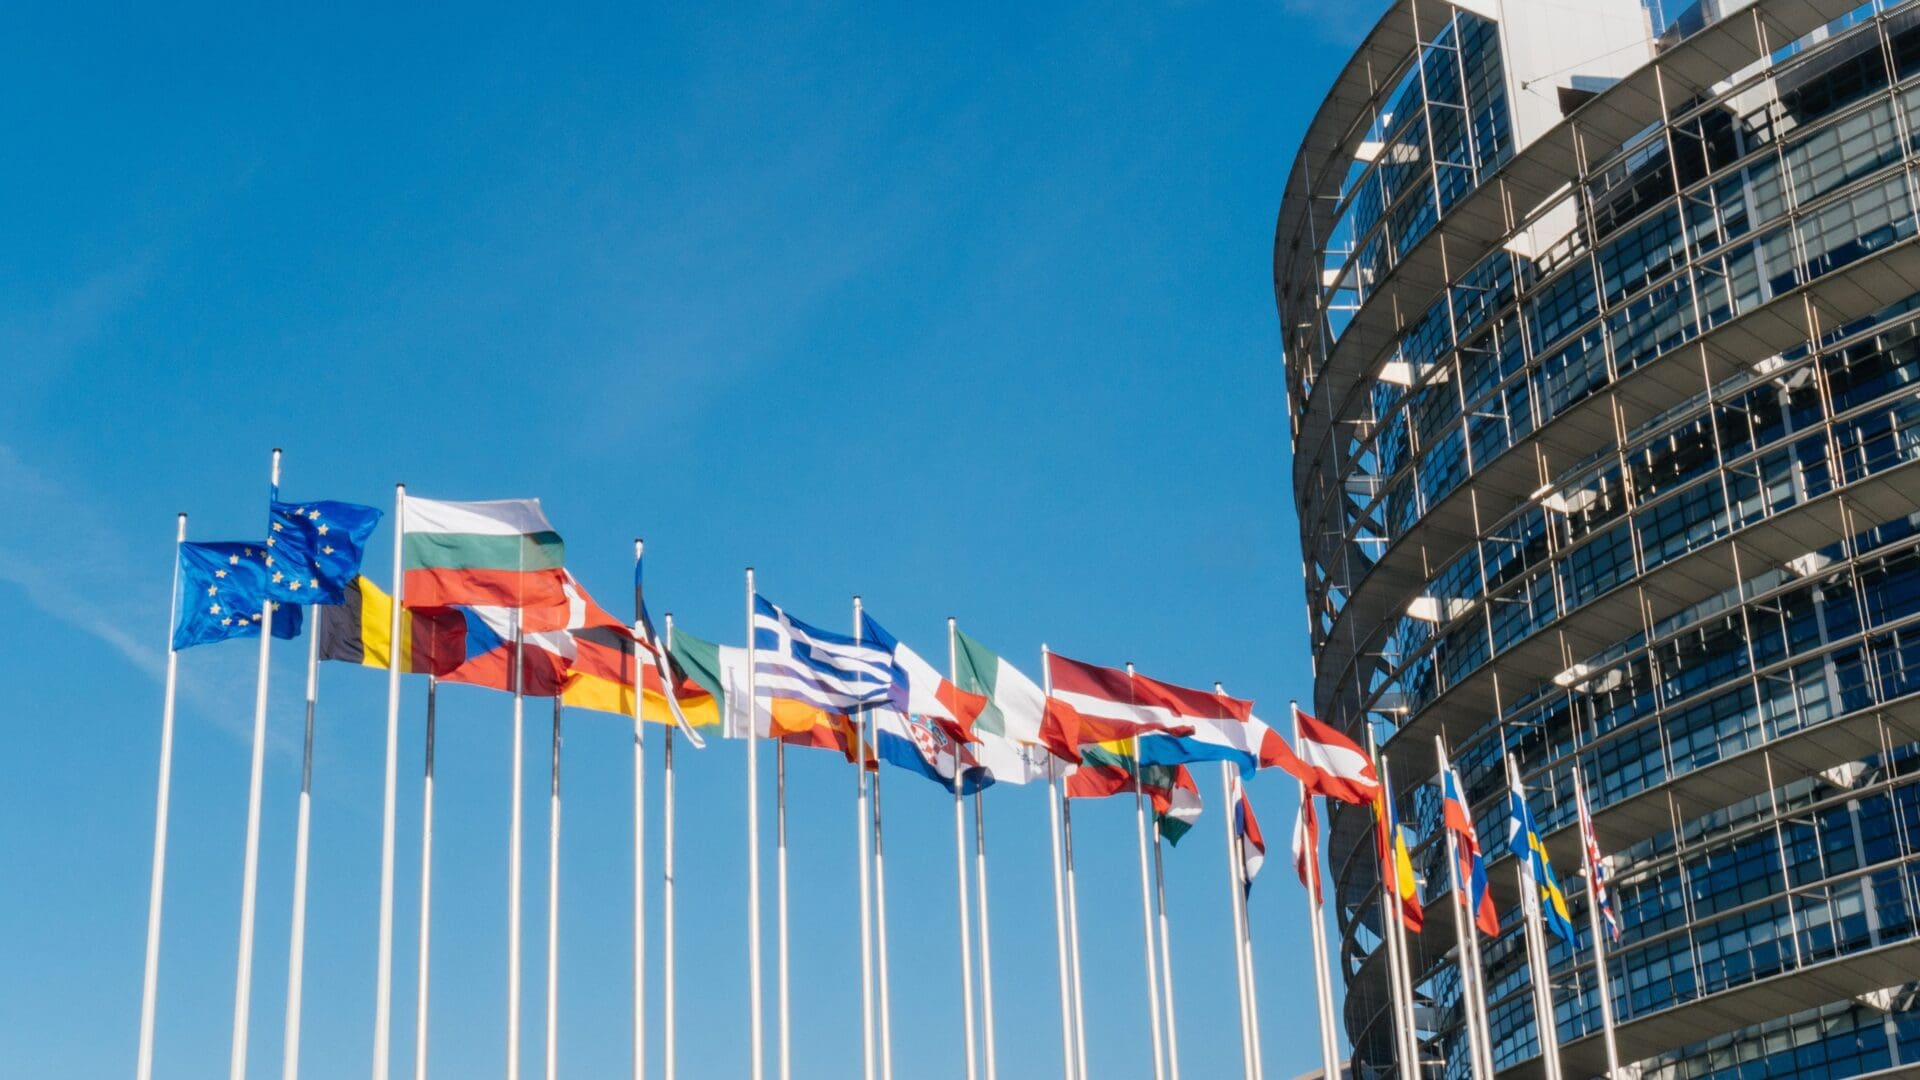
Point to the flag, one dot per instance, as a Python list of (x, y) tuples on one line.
[(500, 554), (813, 682), (713, 683), (1597, 892), (1104, 693), (1523, 839), (917, 689), (1015, 705), (1182, 799), (1223, 729), (1306, 847), (359, 630), (601, 673), (1396, 865), (1332, 765), (488, 656), (221, 589), (920, 744), (1246, 833), (1470, 866), (316, 549)]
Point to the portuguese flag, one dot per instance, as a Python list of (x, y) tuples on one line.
[(501, 554)]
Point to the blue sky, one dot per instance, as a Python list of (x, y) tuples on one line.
[(965, 310)]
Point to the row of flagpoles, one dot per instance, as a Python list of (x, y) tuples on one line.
[(492, 573), (228, 590), (1363, 778)]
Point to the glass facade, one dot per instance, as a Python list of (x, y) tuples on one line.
[(1636, 492)]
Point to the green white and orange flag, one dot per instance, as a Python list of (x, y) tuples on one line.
[(501, 553), (1007, 731)]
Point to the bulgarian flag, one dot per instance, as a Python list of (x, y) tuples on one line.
[(498, 554)]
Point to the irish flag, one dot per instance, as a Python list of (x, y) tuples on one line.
[(501, 554), (1008, 727)]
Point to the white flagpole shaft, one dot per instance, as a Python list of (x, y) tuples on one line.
[(1146, 920), (553, 906), (383, 980), (880, 930), (1598, 930), (1478, 1001), (1236, 885), (863, 843), (297, 941), (150, 976), (780, 903), (1463, 932), (755, 1019), (426, 892), (1166, 956), (1389, 923), (1068, 1070), (1322, 967), (640, 628), (513, 853), (960, 876), (250, 875), (986, 938), (1253, 994), (666, 892), (1073, 902), (1546, 1029)]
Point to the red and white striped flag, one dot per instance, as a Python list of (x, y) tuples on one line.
[(1331, 764), (1306, 847)]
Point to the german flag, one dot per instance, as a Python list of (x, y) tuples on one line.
[(357, 631)]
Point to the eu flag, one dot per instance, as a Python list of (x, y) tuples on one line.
[(222, 588), (316, 550)]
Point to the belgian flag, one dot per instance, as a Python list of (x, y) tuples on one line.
[(358, 629)]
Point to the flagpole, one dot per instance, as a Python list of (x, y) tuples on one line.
[(1068, 1070), (986, 943), (150, 976), (426, 887), (553, 903), (1541, 976), (1322, 967), (1073, 901), (960, 870), (753, 851), (870, 752), (666, 886), (1146, 918), (1159, 907), (1405, 986), (513, 852), (863, 841), (640, 628), (1601, 979), (250, 876), (1390, 916), (1477, 1002), (383, 980), (296, 948), (780, 904), (1464, 929), (1237, 882), (1245, 927)]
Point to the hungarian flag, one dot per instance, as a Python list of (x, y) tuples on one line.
[(499, 554), (1306, 847), (1178, 809), (1330, 764), (359, 630)]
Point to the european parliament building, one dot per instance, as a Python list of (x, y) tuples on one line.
[(1601, 325)]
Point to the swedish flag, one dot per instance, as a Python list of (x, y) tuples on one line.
[(1523, 837)]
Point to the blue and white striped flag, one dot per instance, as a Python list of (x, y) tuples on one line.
[(834, 673)]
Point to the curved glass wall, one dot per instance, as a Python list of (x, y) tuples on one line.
[(1644, 501)]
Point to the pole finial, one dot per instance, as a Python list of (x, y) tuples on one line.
[(639, 546)]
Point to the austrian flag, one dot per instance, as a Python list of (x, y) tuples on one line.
[(1330, 764)]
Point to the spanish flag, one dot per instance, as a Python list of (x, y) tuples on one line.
[(358, 629)]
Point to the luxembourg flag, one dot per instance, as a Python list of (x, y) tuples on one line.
[(1330, 764), (1470, 869)]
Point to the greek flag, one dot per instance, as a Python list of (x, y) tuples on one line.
[(834, 673)]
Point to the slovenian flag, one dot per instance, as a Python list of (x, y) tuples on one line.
[(1470, 869)]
